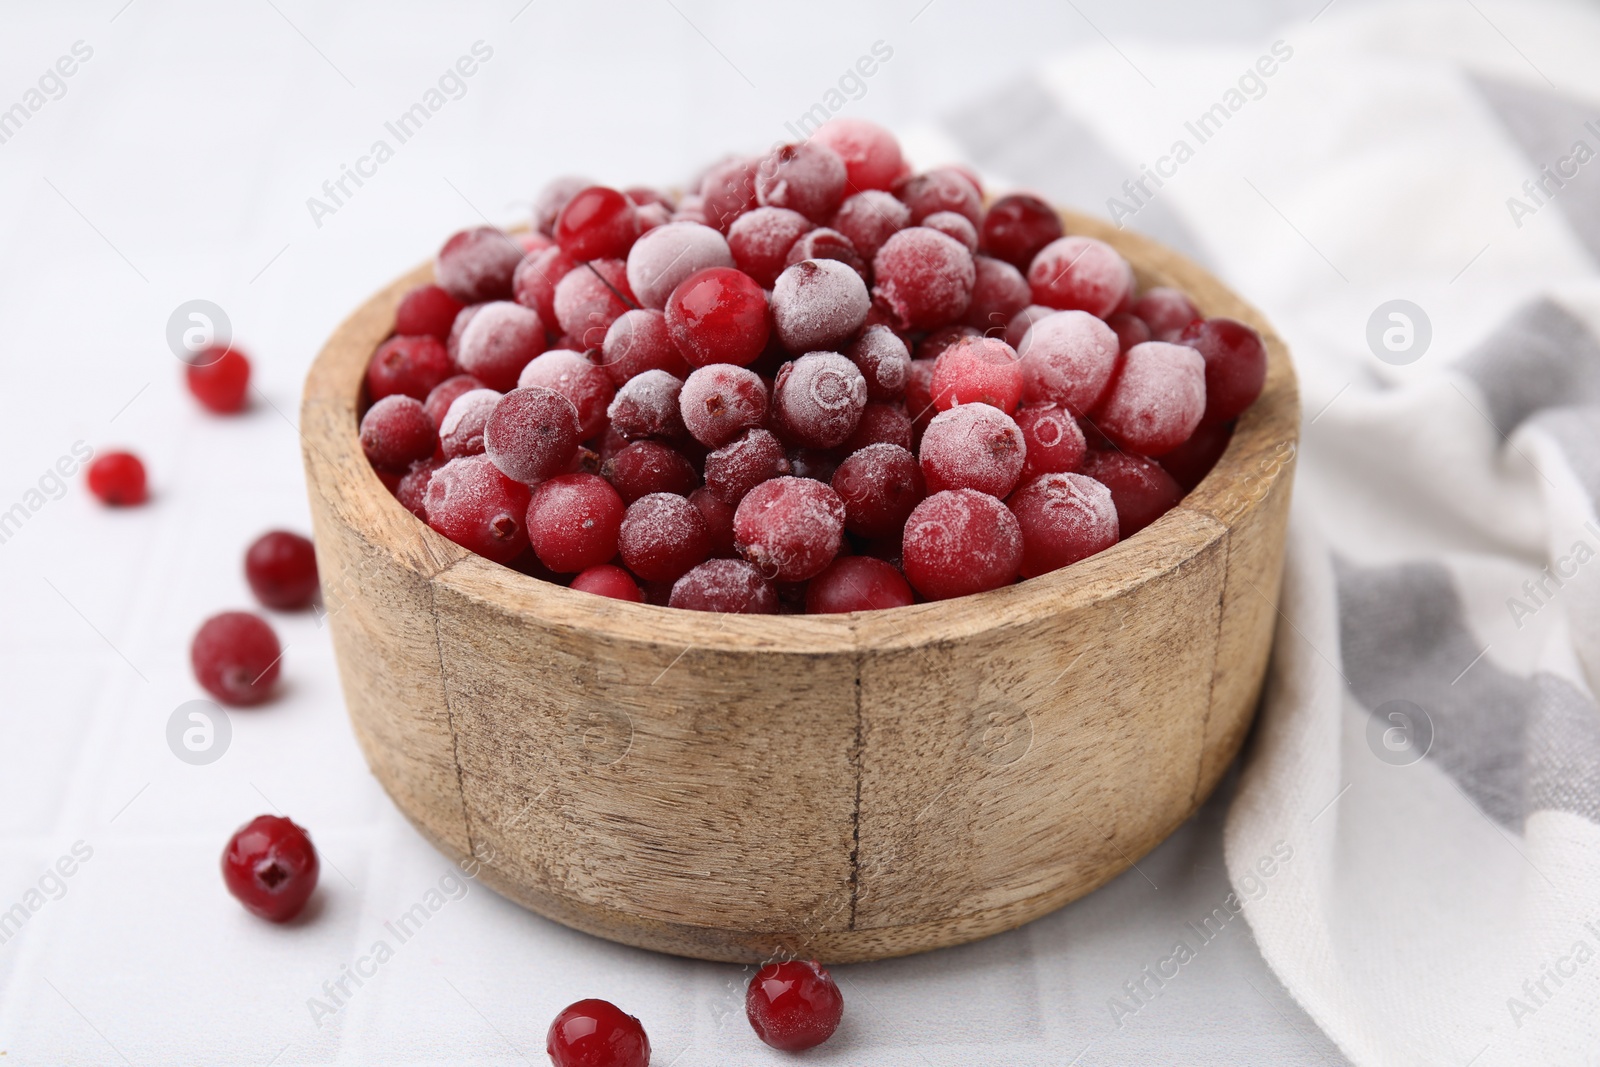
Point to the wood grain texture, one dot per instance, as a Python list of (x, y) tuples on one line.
[(848, 787)]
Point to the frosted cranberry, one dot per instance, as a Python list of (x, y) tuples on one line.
[(718, 514), (412, 490), (531, 435), (473, 504), (1064, 518), (744, 463), (879, 485), (654, 216), (941, 189), (999, 293), (464, 319), (793, 1006), (1082, 274), (731, 586), (1141, 490), (869, 219), (1052, 438), (648, 406), (590, 298), (817, 399), (596, 1033), (552, 198), (236, 656), (961, 541), (955, 226), (760, 240), (444, 394), (643, 195), (1193, 460), (972, 446), (533, 242), (477, 265), (396, 432), (426, 310), (118, 479), (692, 209), (220, 381), (573, 522), (790, 527), (880, 424), (807, 177), (882, 358), (461, 432), (818, 304), (1068, 359), (597, 223), (870, 153), (721, 401), (823, 243), (587, 386), (663, 258), (978, 370), (728, 191), (408, 365), (919, 394), (1130, 329), (857, 583), (608, 581), (1023, 321), (718, 315), (663, 536), (1156, 399), (534, 284), (270, 866), (500, 339), (281, 568), (924, 278), (637, 342), (1016, 227), (1166, 311), (932, 346), (818, 464), (1236, 365), (647, 467)]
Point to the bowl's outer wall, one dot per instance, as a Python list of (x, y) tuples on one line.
[(846, 787)]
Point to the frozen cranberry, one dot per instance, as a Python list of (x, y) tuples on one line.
[(870, 153), (790, 527), (718, 514), (1068, 358), (1064, 518), (1022, 321), (534, 284), (663, 536), (956, 226), (587, 386), (732, 586), (691, 209), (461, 432), (932, 345), (389, 479), (941, 189), (426, 310), (412, 490), (396, 432), (1166, 311), (597, 223), (719, 402), (824, 243), (270, 866), (596, 1033), (590, 298), (1130, 329), (643, 195), (818, 464), (718, 315), (760, 240), (220, 381), (978, 370), (281, 568), (236, 657), (857, 583), (533, 242), (473, 504), (118, 479), (444, 394), (1140, 489), (1052, 438), (663, 258), (552, 198), (818, 304), (653, 216), (647, 467), (1236, 365), (501, 339), (961, 541), (1016, 227), (648, 406), (793, 1006), (817, 399), (1193, 460), (882, 358), (869, 219), (744, 463), (999, 293), (1082, 274), (880, 424), (972, 446), (807, 177), (532, 434), (919, 394), (477, 265), (638, 341), (1156, 399), (609, 581), (452, 344), (924, 278), (879, 485), (408, 365), (573, 522), (728, 191)]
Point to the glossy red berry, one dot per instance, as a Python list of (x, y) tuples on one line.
[(118, 479), (409, 365), (236, 657), (428, 311), (718, 315), (794, 1005), (597, 1033), (610, 581), (220, 381), (1236, 365), (573, 521), (857, 583), (270, 866), (597, 223), (281, 568)]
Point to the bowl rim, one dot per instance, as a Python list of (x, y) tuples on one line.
[(1261, 451)]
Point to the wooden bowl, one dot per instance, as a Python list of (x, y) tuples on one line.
[(845, 787)]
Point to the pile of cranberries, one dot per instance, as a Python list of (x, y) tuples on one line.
[(819, 383)]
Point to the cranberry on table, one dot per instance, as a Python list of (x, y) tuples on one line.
[(498, 341), (663, 536), (473, 504), (477, 265), (760, 240), (1236, 365), (441, 396), (1053, 440), (638, 341), (532, 434), (1068, 358), (1156, 399), (973, 446), (1141, 490), (647, 467), (281, 568), (396, 432), (961, 541), (409, 365), (236, 657), (1166, 311), (1080, 274), (718, 315), (571, 374), (118, 479), (730, 586), (817, 399), (790, 527), (721, 401), (427, 311), (807, 177), (924, 278), (220, 380), (1064, 518), (857, 583), (270, 866), (573, 522), (608, 580), (597, 223), (1016, 227), (870, 153), (596, 1033), (793, 1006), (661, 259), (978, 370)]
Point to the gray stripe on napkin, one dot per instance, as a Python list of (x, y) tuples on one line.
[(1541, 357), (1514, 745), (1020, 132), (1577, 430)]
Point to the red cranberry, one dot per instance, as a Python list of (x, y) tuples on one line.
[(663, 536), (596, 1033), (1016, 227), (744, 463), (919, 394), (663, 258), (461, 432), (118, 479), (647, 467), (879, 485), (1052, 439), (552, 198), (857, 583), (818, 304), (817, 399), (236, 657), (881, 424), (589, 299), (978, 370), (1140, 489), (639, 341), (1022, 321), (281, 568), (1130, 329), (412, 490), (499, 340), (1156, 399), (972, 446), (270, 866), (1166, 311), (728, 191), (396, 432), (573, 521), (823, 243), (477, 265), (870, 153), (473, 504), (409, 365), (941, 189), (534, 284), (721, 401), (1082, 274), (1193, 460), (999, 293), (584, 384), (597, 223), (924, 278), (883, 360), (956, 226), (444, 394), (649, 405), (731, 586), (221, 382), (760, 241), (790, 527), (1064, 518), (870, 218), (427, 311), (718, 315), (718, 514), (532, 435), (1236, 365), (961, 541), (609, 581), (1068, 358), (794, 1005), (807, 177)]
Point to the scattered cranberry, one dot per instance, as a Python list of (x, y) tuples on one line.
[(1017, 227), (1156, 400), (236, 656), (473, 504), (609, 581), (1141, 490), (870, 153), (731, 586), (477, 265), (597, 223), (118, 479), (972, 446), (596, 1033), (532, 435), (719, 402), (793, 1005), (1064, 518), (718, 315), (220, 381), (1236, 365), (1166, 311), (978, 370), (396, 432), (409, 365), (663, 536), (281, 568), (661, 260), (426, 311), (790, 527), (270, 866), (961, 541), (857, 583), (818, 305), (1081, 274), (924, 278)]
